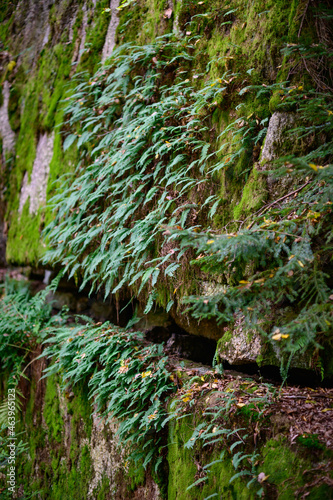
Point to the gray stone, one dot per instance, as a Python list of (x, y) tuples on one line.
[(60, 299), (82, 304), (278, 124), (101, 311), (36, 188), (8, 136), (157, 318), (110, 39), (240, 346), (83, 30)]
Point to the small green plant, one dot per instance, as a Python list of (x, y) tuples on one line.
[(24, 319), (128, 380), (310, 441), (275, 256), (219, 423), (145, 144)]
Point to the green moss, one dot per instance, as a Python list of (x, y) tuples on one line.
[(81, 409), (52, 413), (183, 467), (24, 245), (103, 489), (14, 109), (224, 340), (136, 475), (310, 441), (253, 197), (142, 22), (95, 38), (284, 467)]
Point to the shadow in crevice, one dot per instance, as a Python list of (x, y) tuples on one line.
[(183, 345), (272, 374)]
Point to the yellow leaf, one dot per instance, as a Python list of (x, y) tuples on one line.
[(313, 166), (145, 374), (313, 215), (243, 282), (300, 263), (186, 399), (279, 336), (240, 405), (209, 242), (326, 409)]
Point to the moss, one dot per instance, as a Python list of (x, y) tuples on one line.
[(95, 37), (14, 109), (23, 244), (136, 475), (184, 464), (310, 441), (81, 409), (284, 467), (224, 340), (143, 22), (104, 489), (52, 413), (254, 194)]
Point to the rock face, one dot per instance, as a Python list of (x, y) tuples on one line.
[(2, 245), (111, 33), (275, 138), (6, 132), (47, 44), (240, 346), (86, 447), (35, 190)]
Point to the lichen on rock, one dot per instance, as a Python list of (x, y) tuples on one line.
[(111, 33), (6, 132), (35, 190), (275, 139)]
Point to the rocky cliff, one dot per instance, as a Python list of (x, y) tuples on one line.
[(173, 160)]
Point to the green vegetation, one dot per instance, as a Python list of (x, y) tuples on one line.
[(131, 383), (168, 188), (24, 321)]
